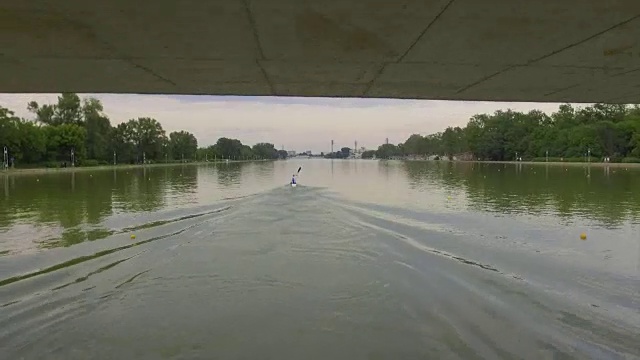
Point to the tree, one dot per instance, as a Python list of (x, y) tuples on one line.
[(33, 142), (147, 137), (81, 125), (229, 148), (67, 111), (43, 114), (182, 145), (414, 145), (282, 154), (62, 139), (9, 130), (265, 151), (98, 129), (345, 152), (245, 152), (368, 154), (387, 151), (122, 143), (604, 130)]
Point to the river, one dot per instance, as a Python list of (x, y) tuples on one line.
[(363, 260)]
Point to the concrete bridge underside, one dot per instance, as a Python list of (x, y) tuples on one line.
[(510, 50)]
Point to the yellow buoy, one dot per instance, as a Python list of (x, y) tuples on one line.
[(133, 236), (583, 236)]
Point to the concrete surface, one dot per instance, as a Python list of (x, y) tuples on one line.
[(512, 50)]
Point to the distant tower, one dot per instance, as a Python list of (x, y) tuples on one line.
[(332, 146), (355, 146), (387, 141)]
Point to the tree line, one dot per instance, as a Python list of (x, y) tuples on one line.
[(78, 130), (599, 131)]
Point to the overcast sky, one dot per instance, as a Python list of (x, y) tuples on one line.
[(296, 123)]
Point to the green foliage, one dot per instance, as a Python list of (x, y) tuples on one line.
[(387, 151), (62, 139), (33, 142), (10, 132), (282, 154), (89, 162), (147, 137), (265, 151), (233, 149), (68, 110), (98, 129), (229, 148), (82, 126), (369, 154), (210, 153), (569, 134), (182, 145)]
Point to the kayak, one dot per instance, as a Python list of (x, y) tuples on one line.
[(293, 179)]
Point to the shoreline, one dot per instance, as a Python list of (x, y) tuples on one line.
[(556, 163), (37, 171), (538, 163)]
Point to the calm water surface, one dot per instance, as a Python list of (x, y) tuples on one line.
[(363, 260)]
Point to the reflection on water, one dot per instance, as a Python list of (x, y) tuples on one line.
[(364, 259), (607, 196), (229, 174), (62, 209), (66, 208)]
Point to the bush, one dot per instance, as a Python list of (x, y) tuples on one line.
[(89, 162), (631, 160)]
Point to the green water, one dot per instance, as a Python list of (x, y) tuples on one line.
[(62, 209), (364, 259)]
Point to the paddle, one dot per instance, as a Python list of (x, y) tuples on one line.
[(296, 174)]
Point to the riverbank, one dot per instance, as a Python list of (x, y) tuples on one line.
[(552, 163), (36, 171), (558, 163)]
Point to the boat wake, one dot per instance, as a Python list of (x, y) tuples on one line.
[(248, 276)]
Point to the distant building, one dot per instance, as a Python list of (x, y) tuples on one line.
[(291, 153)]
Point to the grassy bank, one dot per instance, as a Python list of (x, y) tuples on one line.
[(44, 170), (552, 163), (556, 163)]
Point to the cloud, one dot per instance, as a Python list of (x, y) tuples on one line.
[(293, 122)]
